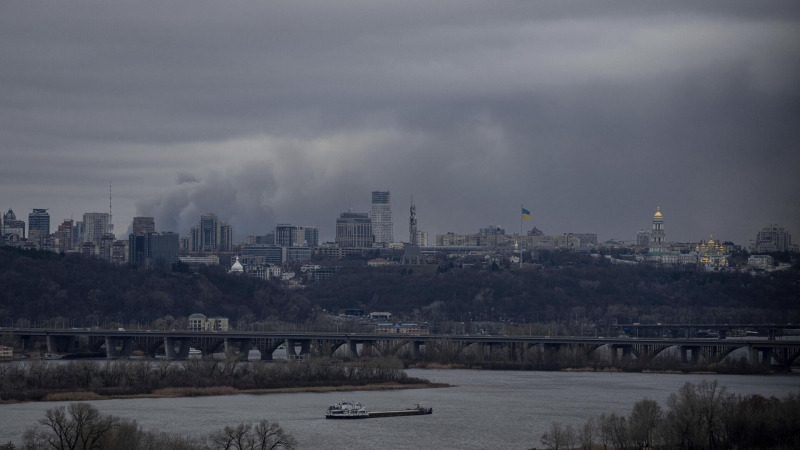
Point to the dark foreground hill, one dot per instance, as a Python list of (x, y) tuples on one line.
[(570, 287), (46, 285)]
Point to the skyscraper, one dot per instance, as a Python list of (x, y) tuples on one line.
[(287, 235), (380, 214), (64, 236), (211, 235), (354, 230), (161, 250), (95, 226), (39, 219), (143, 225)]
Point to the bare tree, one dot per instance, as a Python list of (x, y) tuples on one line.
[(270, 436), (644, 420), (588, 433), (555, 438), (605, 430), (80, 426)]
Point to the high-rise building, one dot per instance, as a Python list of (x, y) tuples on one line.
[(773, 238), (380, 214), (161, 250), (422, 238), (287, 235), (137, 253), (657, 241), (39, 219), (143, 225), (95, 226), (312, 236), (77, 235), (354, 230), (13, 226), (212, 235), (64, 236)]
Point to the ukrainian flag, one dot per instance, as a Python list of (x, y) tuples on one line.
[(526, 214)]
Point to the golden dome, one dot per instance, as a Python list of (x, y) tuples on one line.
[(711, 240), (657, 215)]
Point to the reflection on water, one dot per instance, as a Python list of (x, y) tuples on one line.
[(486, 409)]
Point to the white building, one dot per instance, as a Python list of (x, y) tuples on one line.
[(773, 238), (760, 261), (95, 225)]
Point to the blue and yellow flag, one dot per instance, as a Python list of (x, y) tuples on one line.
[(526, 214)]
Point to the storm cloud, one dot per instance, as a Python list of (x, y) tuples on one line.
[(590, 114)]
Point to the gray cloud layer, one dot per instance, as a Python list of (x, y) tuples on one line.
[(589, 113)]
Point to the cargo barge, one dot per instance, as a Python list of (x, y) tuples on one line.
[(347, 410)]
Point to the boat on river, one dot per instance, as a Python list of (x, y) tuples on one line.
[(52, 356), (348, 410)]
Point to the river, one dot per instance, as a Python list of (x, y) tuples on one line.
[(486, 409)]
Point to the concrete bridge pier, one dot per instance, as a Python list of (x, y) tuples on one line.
[(237, 348), (291, 350), (181, 352), (764, 352), (60, 344), (367, 348), (111, 347), (512, 351), (415, 350), (695, 355), (627, 351), (352, 349), (549, 350)]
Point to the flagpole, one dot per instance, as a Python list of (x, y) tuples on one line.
[(520, 236)]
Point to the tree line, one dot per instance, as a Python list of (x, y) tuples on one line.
[(701, 416), (81, 426), (564, 288), (41, 380)]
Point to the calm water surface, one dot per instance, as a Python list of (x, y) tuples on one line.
[(487, 409)]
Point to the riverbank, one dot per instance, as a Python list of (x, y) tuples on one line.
[(75, 396), (687, 370)]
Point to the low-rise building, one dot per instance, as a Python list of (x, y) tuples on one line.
[(760, 261), (210, 260), (199, 322), (6, 352), (377, 262), (380, 315)]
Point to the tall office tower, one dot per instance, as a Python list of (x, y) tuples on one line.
[(422, 238), (39, 219), (211, 235), (225, 237), (143, 225), (657, 241), (137, 254), (380, 214), (64, 236), (13, 226), (106, 247), (287, 235), (773, 238), (77, 234), (208, 237), (354, 230), (312, 236), (95, 226), (161, 250)]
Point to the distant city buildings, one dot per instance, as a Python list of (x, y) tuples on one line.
[(658, 237), (95, 225), (380, 215), (39, 219), (354, 230), (211, 235), (64, 236), (161, 250), (143, 225), (13, 226), (287, 235), (772, 238)]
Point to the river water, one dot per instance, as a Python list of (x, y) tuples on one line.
[(486, 409)]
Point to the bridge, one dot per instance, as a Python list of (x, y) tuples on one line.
[(176, 344), (675, 330)]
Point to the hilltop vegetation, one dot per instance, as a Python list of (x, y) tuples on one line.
[(566, 287), (46, 285)]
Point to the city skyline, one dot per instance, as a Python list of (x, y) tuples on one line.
[(475, 110)]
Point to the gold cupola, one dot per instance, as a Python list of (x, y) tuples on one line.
[(658, 215)]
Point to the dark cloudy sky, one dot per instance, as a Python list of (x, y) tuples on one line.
[(589, 113)]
